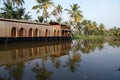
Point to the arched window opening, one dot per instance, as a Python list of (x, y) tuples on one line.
[(30, 32), (21, 32), (46, 33), (57, 33), (36, 32), (54, 32), (14, 32)]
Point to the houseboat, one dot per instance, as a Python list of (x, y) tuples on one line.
[(12, 30)]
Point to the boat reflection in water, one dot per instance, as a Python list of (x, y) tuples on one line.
[(27, 61), (13, 53)]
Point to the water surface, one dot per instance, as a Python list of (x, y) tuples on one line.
[(65, 60)]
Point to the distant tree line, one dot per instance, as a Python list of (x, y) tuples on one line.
[(114, 32)]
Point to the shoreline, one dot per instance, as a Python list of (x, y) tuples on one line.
[(95, 37)]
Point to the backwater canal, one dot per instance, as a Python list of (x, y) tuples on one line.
[(61, 60)]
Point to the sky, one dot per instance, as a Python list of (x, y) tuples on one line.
[(101, 11)]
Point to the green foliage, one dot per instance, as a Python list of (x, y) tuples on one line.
[(44, 5), (7, 11), (57, 12), (11, 12), (59, 20), (89, 37), (73, 61), (75, 13), (75, 17), (115, 32), (27, 16), (40, 19), (15, 2), (88, 45), (91, 28)]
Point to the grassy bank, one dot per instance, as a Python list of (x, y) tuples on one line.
[(89, 37)]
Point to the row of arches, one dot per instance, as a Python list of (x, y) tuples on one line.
[(66, 33), (39, 51), (56, 33), (31, 32)]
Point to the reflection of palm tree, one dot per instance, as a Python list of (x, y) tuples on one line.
[(118, 69), (114, 43), (16, 70), (101, 44), (56, 62), (73, 62), (4, 78), (86, 46), (41, 72)]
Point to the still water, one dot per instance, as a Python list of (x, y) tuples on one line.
[(65, 60)]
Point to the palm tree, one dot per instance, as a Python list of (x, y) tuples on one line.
[(59, 9), (115, 31), (86, 29), (101, 28), (54, 13), (19, 12), (27, 16), (7, 11), (87, 26), (84, 22), (59, 19), (57, 12), (90, 27), (18, 2), (44, 5), (79, 26), (75, 13), (15, 2), (94, 26), (75, 17), (46, 16), (40, 19)]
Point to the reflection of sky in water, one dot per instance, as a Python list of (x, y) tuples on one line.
[(102, 65), (100, 62)]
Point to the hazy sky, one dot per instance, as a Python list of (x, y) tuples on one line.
[(101, 11)]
